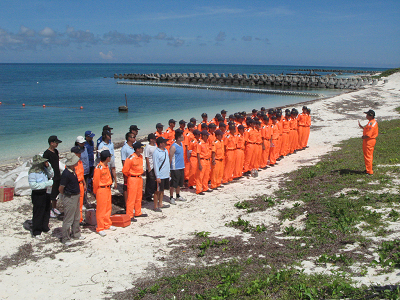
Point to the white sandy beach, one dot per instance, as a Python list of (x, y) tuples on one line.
[(98, 267)]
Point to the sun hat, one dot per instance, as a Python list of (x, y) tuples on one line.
[(72, 159), (80, 139), (37, 159)]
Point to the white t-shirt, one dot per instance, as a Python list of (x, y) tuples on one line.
[(148, 152)]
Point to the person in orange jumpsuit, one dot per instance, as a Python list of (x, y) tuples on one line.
[(370, 132), (254, 113), (80, 175), (279, 140), (133, 170), (169, 134), (182, 124), (159, 130), (193, 121), (301, 120), (266, 140), (192, 154), (258, 149), (216, 119), (223, 115), (230, 157), (285, 133), (239, 153), (217, 160), (188, 137), (102, 182), (203, 163), (204, 116), (274, 139), (250, 135), (211, 130), (293, 134), (222, 127), (307, 127)]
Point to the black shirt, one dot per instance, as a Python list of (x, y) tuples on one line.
[(54, 162), (70, 182)]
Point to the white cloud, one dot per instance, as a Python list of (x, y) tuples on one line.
[(108, 56), (47, 32)]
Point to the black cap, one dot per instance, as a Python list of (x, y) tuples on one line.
[(212, 125), (254, 110), (190, 125), (107, 128), (159, 125), (204, 125), (231, 117), (151, 136), (182, 122), (222, 124), (77, 149), (271, 111), (137, 145), (204, 115), (133, 127), (265, 118), (273, 118), (263, 108), (204, 132), (304, 107), (240, 126), (104, 154), (171, 121), (54, 138), (160, 140), (218, 132), (223, 111), (370, 113), (193, 120), (109, 133), (196, 132), (278, 114)]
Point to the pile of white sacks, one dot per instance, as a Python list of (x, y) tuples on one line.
[(18, 178)]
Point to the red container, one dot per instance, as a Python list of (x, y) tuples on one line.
[(6, 193), (120, 220)]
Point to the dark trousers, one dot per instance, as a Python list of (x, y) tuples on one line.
[(89, 180), (41, 211), (151, 184)]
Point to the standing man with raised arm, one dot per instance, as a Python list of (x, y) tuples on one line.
[(370, 132)]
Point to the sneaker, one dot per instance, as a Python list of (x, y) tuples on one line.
[(56, 211), (52, 214), (38, 237), (68, 243), (142, 215), (157, 209), (102, 233), (172, 201), (113, 228), (165, 206), (180, 198), (133, 220), (81, 238)]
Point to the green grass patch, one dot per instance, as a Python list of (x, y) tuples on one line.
[(387, 73)]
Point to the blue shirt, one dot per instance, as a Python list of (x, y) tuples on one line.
[(85, 161), (126, 150), (110, 147), (161, 169), (90, 150), (40, 181), (177, 161)]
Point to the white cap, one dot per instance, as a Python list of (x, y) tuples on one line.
[(80, 139), (102, 149)]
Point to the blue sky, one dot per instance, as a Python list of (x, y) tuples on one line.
[(325, 33)]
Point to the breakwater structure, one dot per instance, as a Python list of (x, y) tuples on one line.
[(261, 80)]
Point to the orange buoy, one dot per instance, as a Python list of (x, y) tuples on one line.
[(23, 104), (81, 106), (44, 106)]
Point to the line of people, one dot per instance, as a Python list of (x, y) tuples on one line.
[(211, 152)]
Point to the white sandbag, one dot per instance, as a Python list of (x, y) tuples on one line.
[(13, 174), (21, 185)]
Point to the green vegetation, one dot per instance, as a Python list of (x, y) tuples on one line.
[(342, 207), (387, 73)]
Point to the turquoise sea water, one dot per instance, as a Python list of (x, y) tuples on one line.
[(63, 88)]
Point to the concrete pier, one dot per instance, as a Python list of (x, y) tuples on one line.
[(223, 88)]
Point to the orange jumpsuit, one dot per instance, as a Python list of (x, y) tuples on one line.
[(285, 136), (193, 161), (307, 130), (158, 134), (370, 130), (79, 174), (170, 135), (188, 137), (133, 170), (258, 149), (292, 134), (102, 188), (217, 170), (266, 137), (251, 145), (279, 140), (274, 139), (240, 146), (203, 175), (199, 126), (230, 149), (301, 129)]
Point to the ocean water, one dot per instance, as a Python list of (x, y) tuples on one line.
[(64, 88)]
